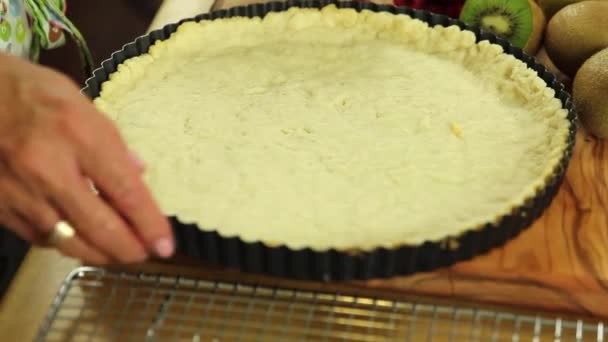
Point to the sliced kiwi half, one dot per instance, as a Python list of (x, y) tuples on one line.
[(521, 22)]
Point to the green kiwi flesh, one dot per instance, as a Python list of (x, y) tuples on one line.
[(509, 19)]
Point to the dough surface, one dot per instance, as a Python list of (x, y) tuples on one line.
[(335, 128)]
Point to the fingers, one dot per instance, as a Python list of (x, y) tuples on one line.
[(118, 178), (96, 222), (69, 196), (33, 219), (19, 226), (56, 146), (76, 247), (23, 213)]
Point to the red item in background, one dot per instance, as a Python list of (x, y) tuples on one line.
[(450, 8)]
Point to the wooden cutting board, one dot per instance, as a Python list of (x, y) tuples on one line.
[(560, 263)]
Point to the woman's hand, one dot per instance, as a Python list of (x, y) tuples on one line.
[(53, 143)]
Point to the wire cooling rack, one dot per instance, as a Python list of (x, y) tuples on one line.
[(99, 305)]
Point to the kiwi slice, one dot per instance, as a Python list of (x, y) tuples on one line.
[(521, 22)]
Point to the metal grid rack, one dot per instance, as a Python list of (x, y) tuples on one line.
[(98, 305)]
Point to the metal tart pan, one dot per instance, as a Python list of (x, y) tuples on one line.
[(345, 265)]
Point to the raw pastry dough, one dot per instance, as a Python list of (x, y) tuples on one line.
[(335, 128)]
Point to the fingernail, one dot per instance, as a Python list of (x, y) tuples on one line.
[(136, 160), (164, 248)]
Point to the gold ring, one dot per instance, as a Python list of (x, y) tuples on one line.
[(61, 231)]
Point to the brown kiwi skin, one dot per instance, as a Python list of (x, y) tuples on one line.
[(550, 7), (543, 58), (590, 94), (575, 33), (539, 22)]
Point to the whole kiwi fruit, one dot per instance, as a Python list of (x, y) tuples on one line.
[(550, 7), (575, 33), (590, 94), (543, 58), (521, 22)]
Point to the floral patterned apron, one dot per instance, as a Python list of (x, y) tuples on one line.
[(26, 26)]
